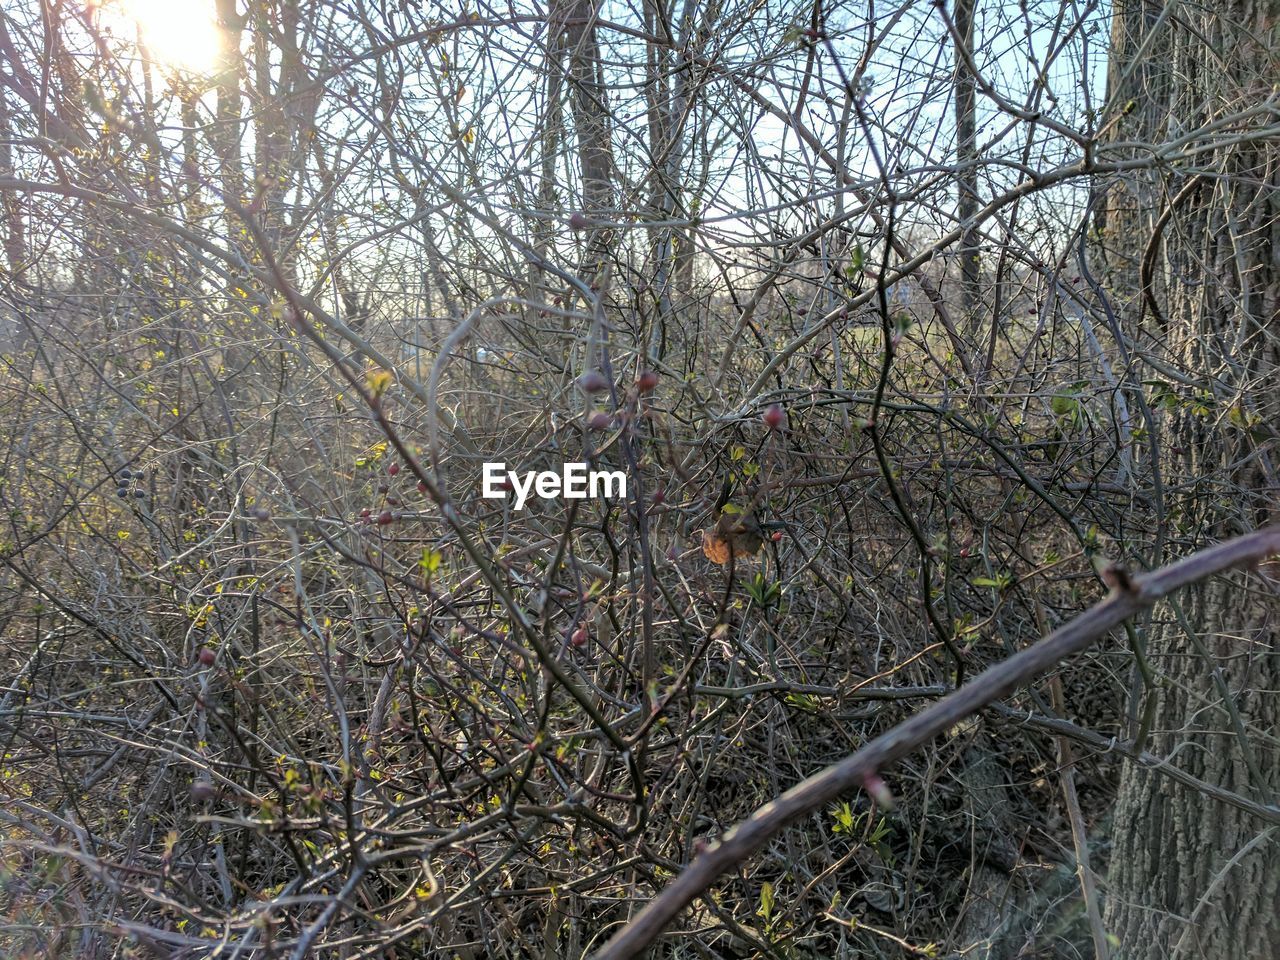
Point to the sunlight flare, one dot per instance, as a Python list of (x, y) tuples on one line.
[(178, 33)]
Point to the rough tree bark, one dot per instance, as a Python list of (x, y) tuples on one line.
[(588, 100), (966, 116), (1191, 877), (1137, 92)]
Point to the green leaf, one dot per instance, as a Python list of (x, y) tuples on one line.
[(1064, 405), (1000, 581), (844, 818), (766, 901)]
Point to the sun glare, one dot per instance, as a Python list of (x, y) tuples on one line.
[(180, 33)]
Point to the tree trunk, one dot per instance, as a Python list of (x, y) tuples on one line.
[(15, 243), (588, 100), (1191, 877), (225, 133), (966, 116), (1138, 85)]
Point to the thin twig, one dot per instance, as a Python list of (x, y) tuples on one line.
[(865, 765)]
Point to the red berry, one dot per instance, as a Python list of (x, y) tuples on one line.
[(579, 221), (774, 416), (580, 637), (777, 535), (593, 381), (393, 469), (206, 657), (422, 486), (599, 420), (647, 381), (385, 517), (366, 513)]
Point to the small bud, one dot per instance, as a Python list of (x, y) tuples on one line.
[(774, 416), (593, 381), (878, 790), (1116, 577)]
